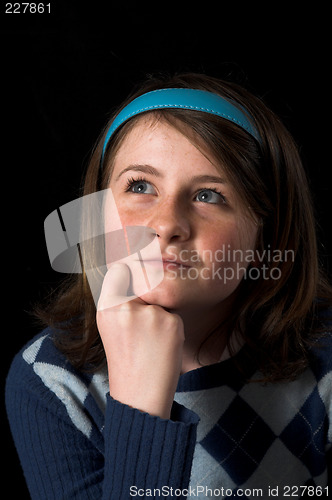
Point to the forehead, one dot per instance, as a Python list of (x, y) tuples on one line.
[(153, 139), (178, 155)]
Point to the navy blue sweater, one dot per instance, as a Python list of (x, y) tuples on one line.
[(225, 436)]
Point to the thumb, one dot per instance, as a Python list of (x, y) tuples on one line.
[(115, 286)]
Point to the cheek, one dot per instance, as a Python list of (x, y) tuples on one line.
[(217, 240), (130, 216), (112, 218), (118, 215), (228, 247)]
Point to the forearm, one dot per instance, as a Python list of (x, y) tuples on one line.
[(140, 450), (146, 452)]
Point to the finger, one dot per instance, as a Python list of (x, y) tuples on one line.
[(117, 279), (115, 286)]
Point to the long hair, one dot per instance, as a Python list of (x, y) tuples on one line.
[(279, 319)]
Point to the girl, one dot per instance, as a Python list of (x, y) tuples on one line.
[(216, 382)]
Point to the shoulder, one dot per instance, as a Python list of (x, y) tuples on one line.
[(38, 363), (320, 351), (320, 355), (39, 350), (321, 367), (40, 357), (42, 374)]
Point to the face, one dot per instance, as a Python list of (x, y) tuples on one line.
[(162, 180)]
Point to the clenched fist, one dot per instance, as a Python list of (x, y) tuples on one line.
[(143, 345)]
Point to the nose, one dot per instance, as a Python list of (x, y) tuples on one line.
[(171, 222)]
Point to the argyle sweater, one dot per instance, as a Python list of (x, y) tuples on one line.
[(226, 436)]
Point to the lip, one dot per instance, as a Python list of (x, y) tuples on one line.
[(175, 263), (167, 262), (167, 259)]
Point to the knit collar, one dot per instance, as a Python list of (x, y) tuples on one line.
[(233, 371)]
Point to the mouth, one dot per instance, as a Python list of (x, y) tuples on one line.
[(174, 263), (167, 263)]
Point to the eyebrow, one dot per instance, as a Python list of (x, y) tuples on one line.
[(148, 169), (208, 178)]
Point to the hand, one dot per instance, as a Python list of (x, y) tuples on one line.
[(143, 345)]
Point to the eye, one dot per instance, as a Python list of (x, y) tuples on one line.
[(139, 186), (210, 196)]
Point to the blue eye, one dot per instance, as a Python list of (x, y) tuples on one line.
[(210, 196), (139, 186)]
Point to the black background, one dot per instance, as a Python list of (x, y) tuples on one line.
[(63, 72)]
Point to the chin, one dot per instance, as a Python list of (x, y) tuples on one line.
[(185, 299), (174, 300), (165, 298), (159, 300)]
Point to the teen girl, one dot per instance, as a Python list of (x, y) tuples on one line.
[(216, 382)]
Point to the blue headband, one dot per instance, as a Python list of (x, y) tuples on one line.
[(191, 99)]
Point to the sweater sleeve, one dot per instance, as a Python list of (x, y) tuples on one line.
[(145, 453), (138, 452)]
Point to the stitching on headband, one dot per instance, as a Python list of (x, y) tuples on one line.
[(176, 106), (244, 123)]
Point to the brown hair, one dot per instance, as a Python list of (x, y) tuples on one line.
[(278, 318)]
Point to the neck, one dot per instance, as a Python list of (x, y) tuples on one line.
[(205, 338)]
